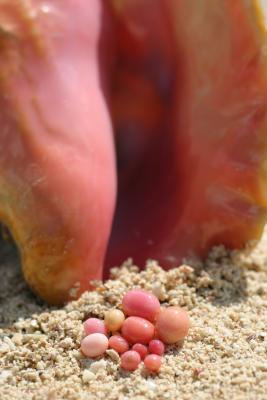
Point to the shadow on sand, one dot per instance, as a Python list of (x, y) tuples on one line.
[(16, 299)]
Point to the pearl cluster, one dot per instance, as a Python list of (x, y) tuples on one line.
[(138, 332)]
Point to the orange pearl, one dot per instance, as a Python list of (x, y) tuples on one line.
[(152, 362), (172, 324)]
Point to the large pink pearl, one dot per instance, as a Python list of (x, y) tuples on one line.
[(137, 330), (130, 360), (172, 324), (94, 345), (141, 304), (94, 325)]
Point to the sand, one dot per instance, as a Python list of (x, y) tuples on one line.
[(224, 356)]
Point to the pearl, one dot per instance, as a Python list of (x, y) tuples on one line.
[(141, 349), (94, 325), (172, 324), (118, 343), (130, 360), (156, 347), (141, 304), (94, 345), (114, 320), (137, 330), (152, 362)]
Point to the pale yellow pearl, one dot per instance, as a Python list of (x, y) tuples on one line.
[(114, 320)]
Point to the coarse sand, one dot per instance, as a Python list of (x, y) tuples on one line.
[(224, 356)]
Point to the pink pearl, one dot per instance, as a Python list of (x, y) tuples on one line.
[(152, 362), (118, 343), (156, 347), (137, 330), (141, 349), (130, 360), (94, 325), (140, 304), (172, 324), (94, 345)]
